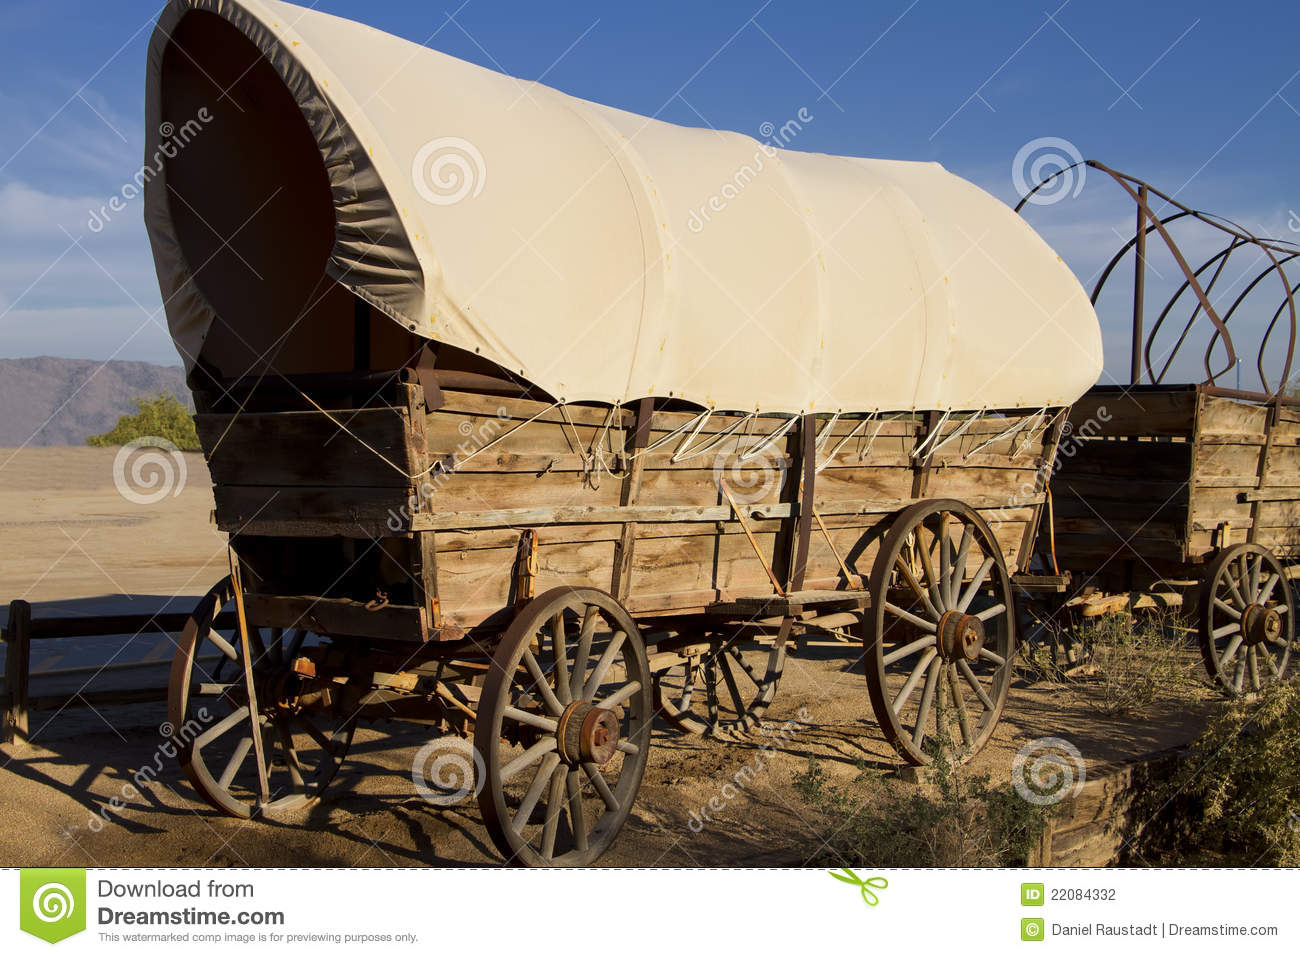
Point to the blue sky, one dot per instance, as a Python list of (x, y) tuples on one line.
[(1200, 98)]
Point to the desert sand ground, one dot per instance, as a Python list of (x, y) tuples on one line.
[(72, 543)]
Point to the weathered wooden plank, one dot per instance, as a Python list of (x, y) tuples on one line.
[(1102, 414), (310, 512), (338, 616), (1220, 416), (368, 447)]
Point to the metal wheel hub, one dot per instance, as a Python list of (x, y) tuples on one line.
[(960, 636), (1260, 624), (587, 733)]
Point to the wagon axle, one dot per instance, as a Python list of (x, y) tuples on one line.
[(1260, 624), (961, 636)]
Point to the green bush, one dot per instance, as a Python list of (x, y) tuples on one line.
[(958, 820), (1236, 796), (157, 416)]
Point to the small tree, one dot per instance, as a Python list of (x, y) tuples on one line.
[(157, 416)]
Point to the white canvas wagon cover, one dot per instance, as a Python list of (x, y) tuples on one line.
[(599, 254)]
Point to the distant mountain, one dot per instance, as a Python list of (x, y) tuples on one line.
[(51, 401)]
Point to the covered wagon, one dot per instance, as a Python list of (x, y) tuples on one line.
[(532, 419)]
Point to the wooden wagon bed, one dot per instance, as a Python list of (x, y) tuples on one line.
[(469, 507), (1154, 480)]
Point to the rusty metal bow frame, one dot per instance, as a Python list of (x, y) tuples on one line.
[(1277, 252)]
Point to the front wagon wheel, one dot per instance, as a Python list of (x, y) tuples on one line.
[(941, 633), (563, 729), (209, 710)]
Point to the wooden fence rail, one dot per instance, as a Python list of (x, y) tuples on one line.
[(22, 629)]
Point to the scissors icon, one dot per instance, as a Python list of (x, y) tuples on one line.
[(868, 895)]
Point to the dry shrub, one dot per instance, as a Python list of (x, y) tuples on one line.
[(1135, 661), (1236, 796), (957, 820)]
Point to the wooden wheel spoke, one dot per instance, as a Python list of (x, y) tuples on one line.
[(236, 762), (577, 816), (1224, 630), (560, 655), (221, 727), (732, 687), (1230, 652), (945, 561), (750, 672), (959, 703), (554, 807), (973, 680), (533, 754), (914, 679), (1239, 675), (927, 567), (316, 734), (534, 792), (225, 647), (913, 584), (959, 561), (926, 626), (582, 656), (291, 757), (1227, 609), (1266, 591), (1234, 587), (1252, 663), (601, 785), (923, 710), (543, 687), (628, 747), (992, 656), (618, 697), (541, 722), (1272, 665), (1254, 566), (988, 613), (976, 583), (898, 654), (603, 665)]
